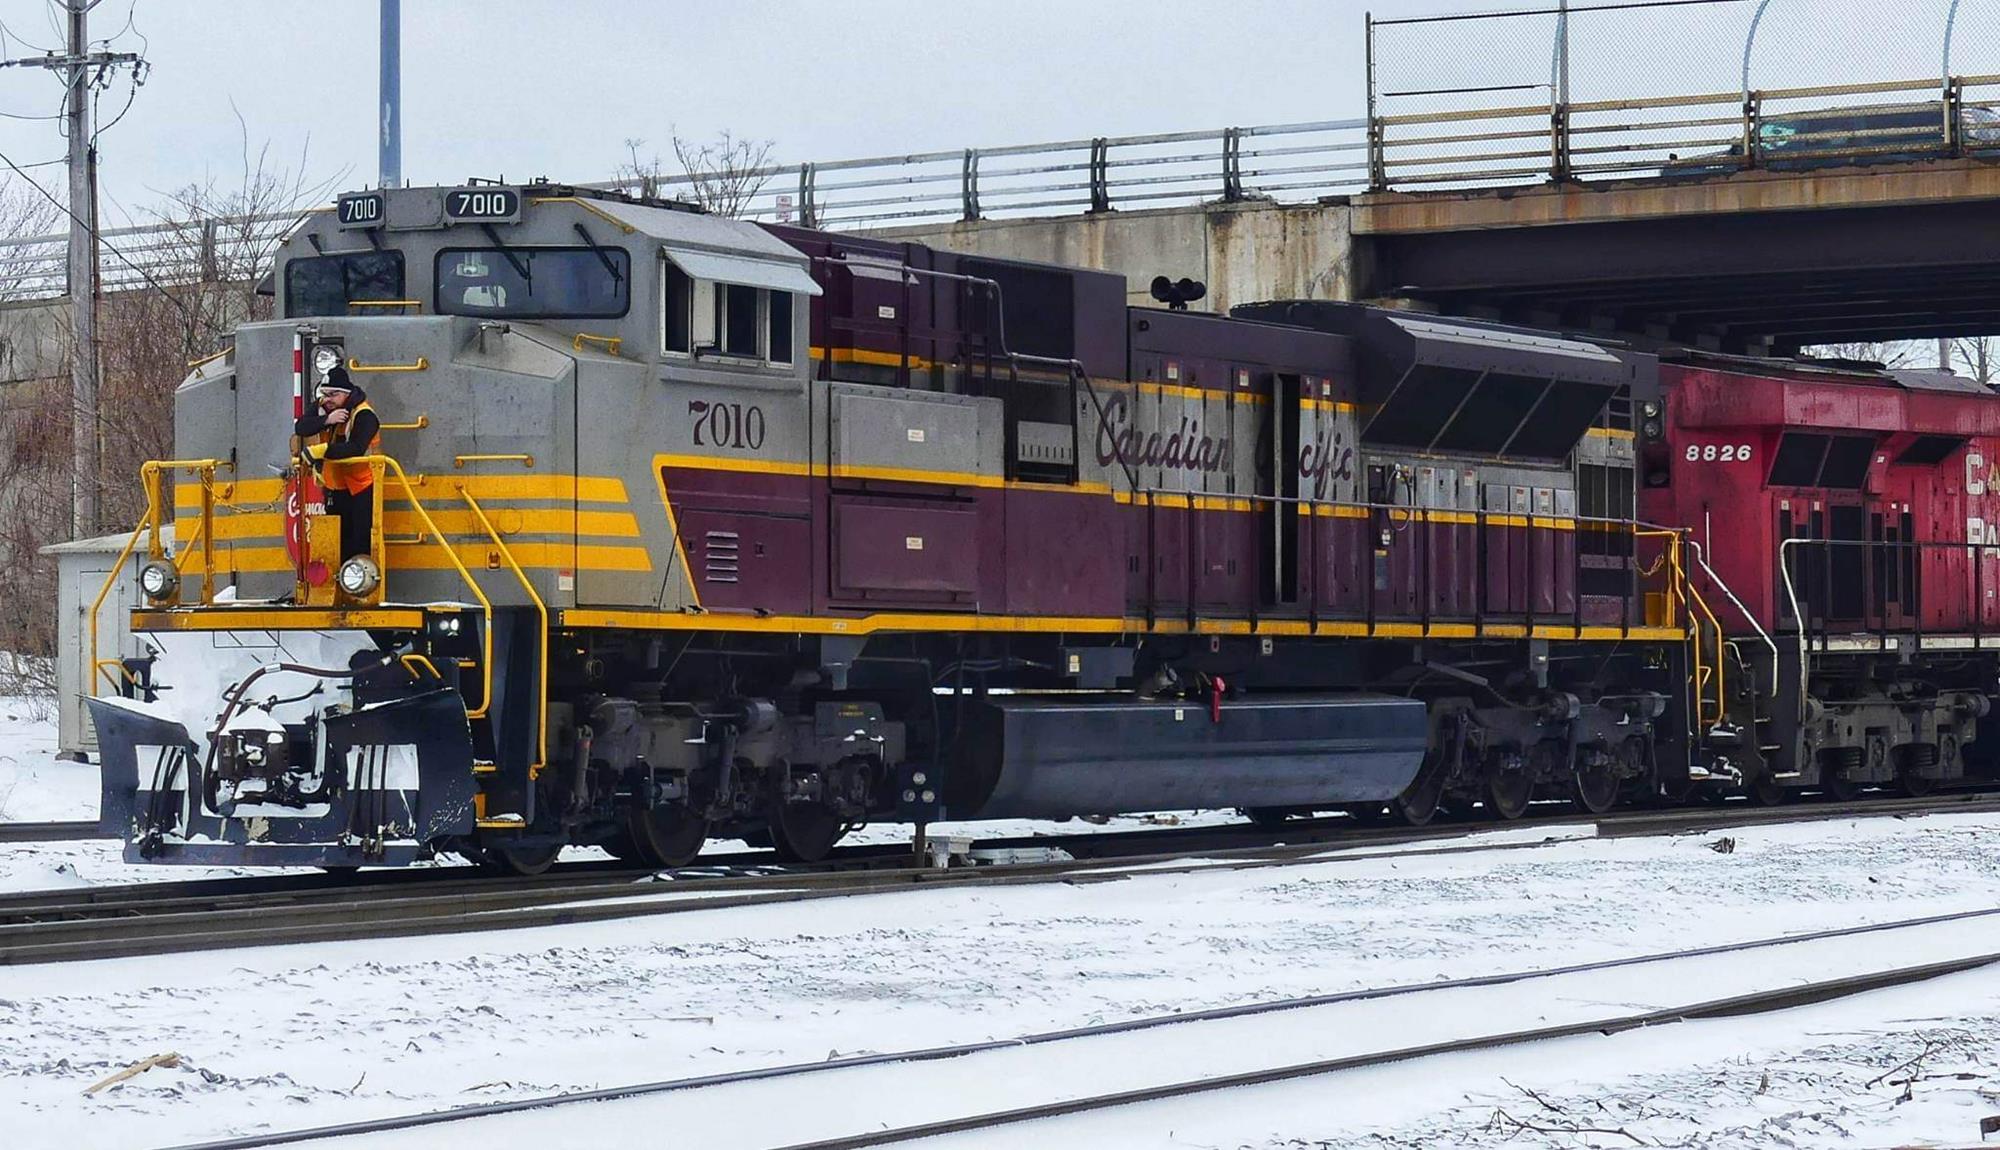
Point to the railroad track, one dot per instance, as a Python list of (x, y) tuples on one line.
[(149, 918), (49, 832), (987, 1061)]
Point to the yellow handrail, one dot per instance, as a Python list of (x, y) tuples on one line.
[(460, 461), (451, 553), (418, 424), (97, 604), (414, 662), (541, 608), (149, 525), (1683, 594), (423, 363), (612, 343), (416, 303)]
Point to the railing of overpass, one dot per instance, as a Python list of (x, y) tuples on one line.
[(1677, 89), (1562, 93)]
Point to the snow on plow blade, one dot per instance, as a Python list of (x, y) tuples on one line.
[(395, 779)]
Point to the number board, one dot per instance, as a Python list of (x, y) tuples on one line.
[(482, 206), (360, 210)]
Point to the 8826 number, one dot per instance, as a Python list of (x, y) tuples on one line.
[(1718, 453)]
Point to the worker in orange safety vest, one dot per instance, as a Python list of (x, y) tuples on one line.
[(342, 426)]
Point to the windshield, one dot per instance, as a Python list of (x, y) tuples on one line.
[(534, 282), (326, 285)]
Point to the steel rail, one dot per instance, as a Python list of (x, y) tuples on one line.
[(1777, 998), (1735, 1006), (49, 832), (48, 931)]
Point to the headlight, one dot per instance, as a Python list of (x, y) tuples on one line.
[(158, 579), (326, 357), (358, 576), (1650, 408)]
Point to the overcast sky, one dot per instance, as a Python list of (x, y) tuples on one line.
[(518, 89), (522, 89)]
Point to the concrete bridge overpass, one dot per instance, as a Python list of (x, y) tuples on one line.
[(1755, 261)]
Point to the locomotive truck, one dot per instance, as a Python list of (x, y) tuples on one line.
[(687, 526)]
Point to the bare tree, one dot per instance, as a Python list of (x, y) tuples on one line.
[(726, 173), (200, 279), (644, 176), (1896, 354), (1977, 357), (722, 176)]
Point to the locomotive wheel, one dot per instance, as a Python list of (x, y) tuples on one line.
[(1840, 790), (1768, 792), (803, 832), (517, 859), (666, 836), (1596, 786), (1419, 802), (1508, 792), (1908, 781)]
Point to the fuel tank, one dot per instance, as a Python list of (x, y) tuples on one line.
[(1053, 757)]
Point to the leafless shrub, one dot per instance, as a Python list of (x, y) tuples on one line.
[(725, 174), (722, 176)]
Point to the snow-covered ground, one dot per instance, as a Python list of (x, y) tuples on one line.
[(34, 786), (295, 1036)]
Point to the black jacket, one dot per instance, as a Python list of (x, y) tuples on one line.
[(362, 428)]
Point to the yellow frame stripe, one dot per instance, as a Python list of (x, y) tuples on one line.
[(917, 621)]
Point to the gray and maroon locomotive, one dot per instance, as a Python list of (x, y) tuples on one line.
[(686, 526)]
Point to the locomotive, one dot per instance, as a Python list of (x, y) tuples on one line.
[(687, 526)]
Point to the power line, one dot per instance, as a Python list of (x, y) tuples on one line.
[(96, 235)]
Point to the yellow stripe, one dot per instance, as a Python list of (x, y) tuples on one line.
[(914, 475), (1608, 432), (433, 486), (1327, 405), (581, 488), (430, 557), (277, 619), (892, 621), (674, 530), (848, 471), (730, 463), (512, 521)]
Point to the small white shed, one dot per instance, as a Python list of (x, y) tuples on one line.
[(81, 567)]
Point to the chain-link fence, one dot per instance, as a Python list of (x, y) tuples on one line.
[(1678, 88)]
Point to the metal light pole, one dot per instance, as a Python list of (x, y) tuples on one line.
[(390, 151)]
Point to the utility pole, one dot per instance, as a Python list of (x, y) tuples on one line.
[(390, 148), (81, 70)]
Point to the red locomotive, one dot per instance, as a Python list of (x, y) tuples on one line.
[(1842, 512)]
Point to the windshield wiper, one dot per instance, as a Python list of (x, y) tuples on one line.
[(603, 255), (520, 266)]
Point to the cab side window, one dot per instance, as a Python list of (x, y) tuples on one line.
[(327, 285), (733, 322)]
